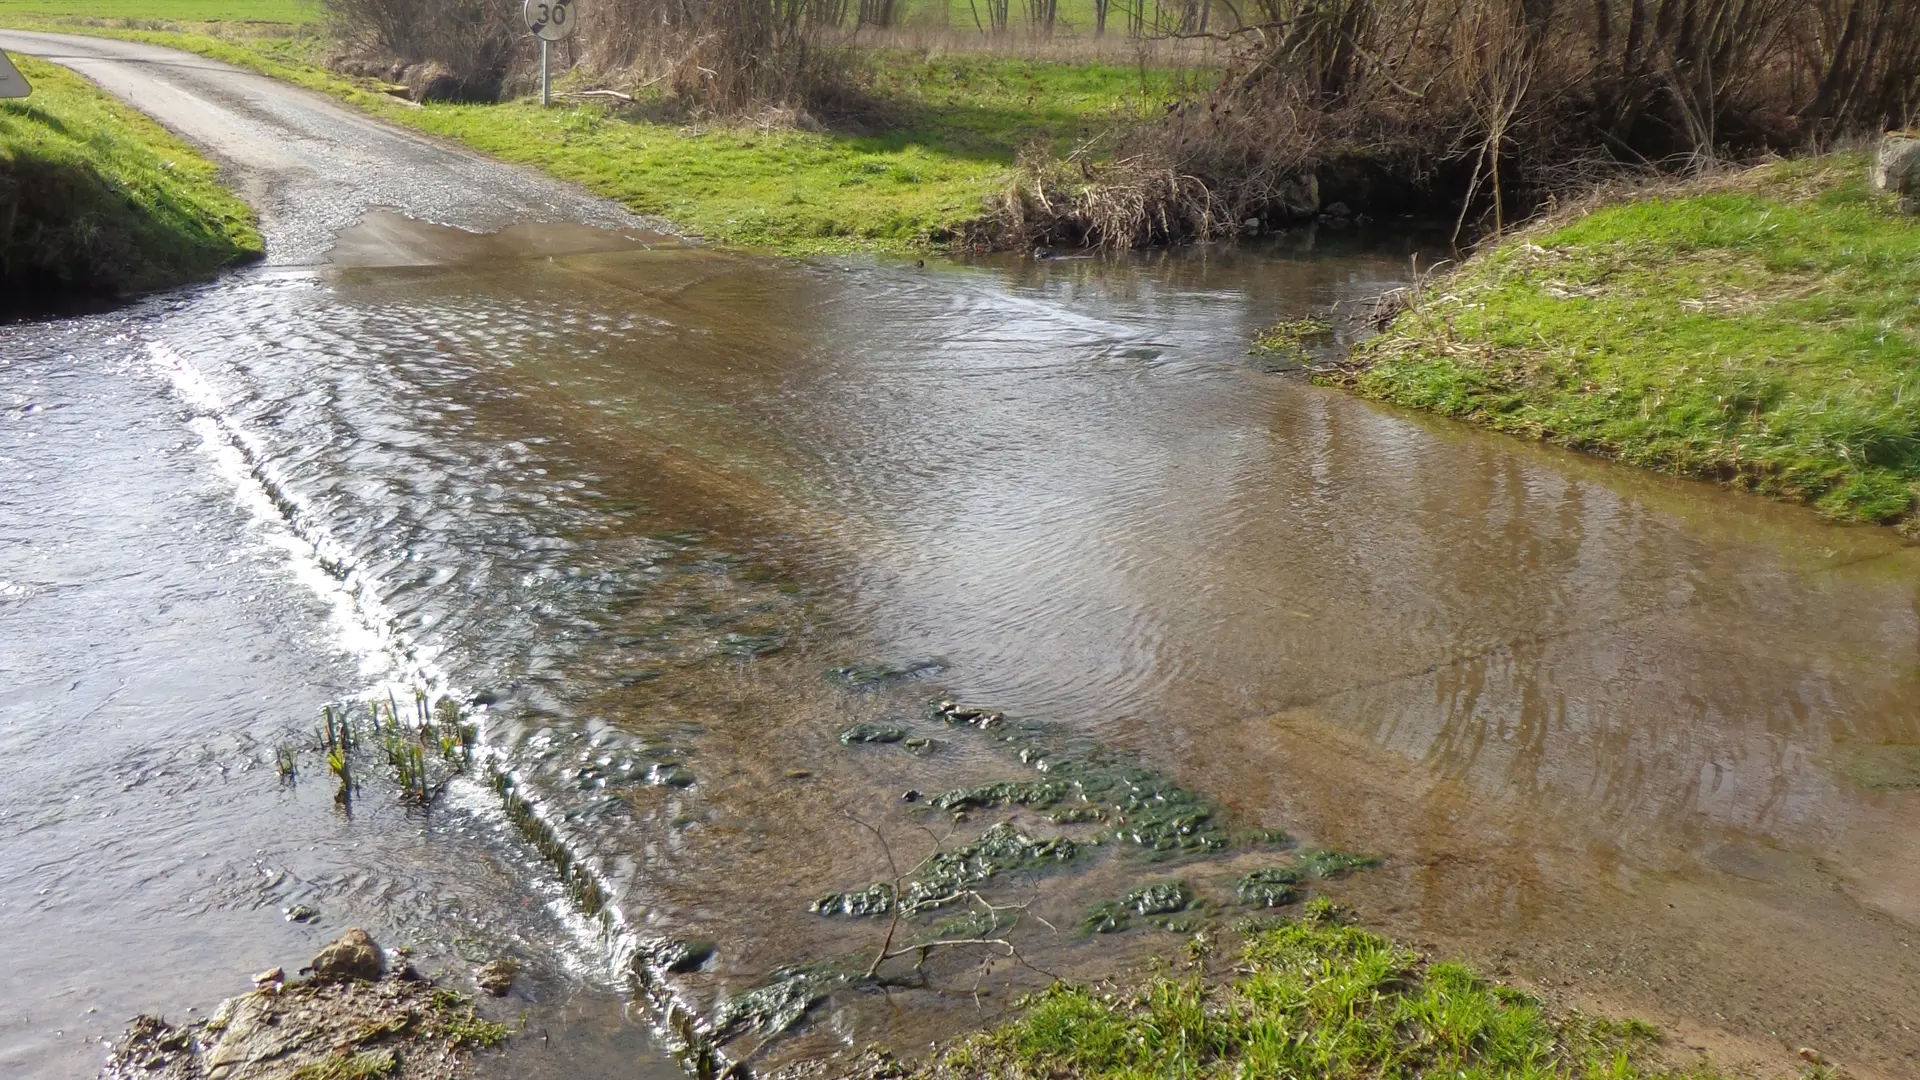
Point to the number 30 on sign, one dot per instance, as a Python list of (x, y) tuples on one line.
[(550, 20)]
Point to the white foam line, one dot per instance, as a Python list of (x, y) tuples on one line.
[(367, 629)]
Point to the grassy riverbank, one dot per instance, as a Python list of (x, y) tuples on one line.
[(1761, 329), (98, 201), (942, 140), (1313, 997)]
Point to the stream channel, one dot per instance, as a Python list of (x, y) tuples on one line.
[(674, 519)]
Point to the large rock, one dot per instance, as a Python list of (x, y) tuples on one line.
[(354, 956), (1896, 168)]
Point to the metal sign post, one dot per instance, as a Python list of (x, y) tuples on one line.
[(550, 21), (12, 83)]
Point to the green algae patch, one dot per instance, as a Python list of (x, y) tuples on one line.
[(1885, 767), (98, 202), (1145, 808), (1039, 794), (948, 876), (1316, 998), (873, 900), (777, 1005), (1160, 898), (1762, 330), (1107, 917), (1328, 863), (1274, 886)]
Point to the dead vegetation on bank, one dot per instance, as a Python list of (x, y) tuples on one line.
[(1483, 109)]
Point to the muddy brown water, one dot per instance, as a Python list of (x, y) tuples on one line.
[(1642, 744)]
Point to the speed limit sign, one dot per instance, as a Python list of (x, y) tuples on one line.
[(550, 20)]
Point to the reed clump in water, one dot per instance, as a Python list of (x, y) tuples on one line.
[(439, 727)]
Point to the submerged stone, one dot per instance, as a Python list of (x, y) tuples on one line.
[(674, 955), (750, 646), (868, 676), (872, 733), (353, 956), (668, 774), (1271, 887), (316, 1029), (496, 976)]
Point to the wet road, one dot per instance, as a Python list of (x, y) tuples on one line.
[(148, 847), (310, 166)]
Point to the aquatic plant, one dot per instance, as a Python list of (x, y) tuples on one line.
[(1039, 794), (1328, 863), (1274, 886), (874, 900), (1160, 898), (286, 761), (778, 1005), (1106, 917), (1147, 809), (946, 876)]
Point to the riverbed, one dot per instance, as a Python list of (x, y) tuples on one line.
[(671, 521)]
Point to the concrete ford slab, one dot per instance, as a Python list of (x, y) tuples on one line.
[(12, 83)]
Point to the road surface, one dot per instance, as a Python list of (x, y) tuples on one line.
[(309, 165)]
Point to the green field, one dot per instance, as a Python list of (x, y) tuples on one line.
[(1761, 329), (98, 201), (143, 11)]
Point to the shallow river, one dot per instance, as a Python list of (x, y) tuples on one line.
[(1642, 743)]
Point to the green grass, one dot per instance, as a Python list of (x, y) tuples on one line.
[(1762, 330), (1314, 998), (97, 200), (953, 127)]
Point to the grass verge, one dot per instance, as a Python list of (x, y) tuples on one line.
[(949, 132), (1761, 329), (1310, 998), (98, 201)]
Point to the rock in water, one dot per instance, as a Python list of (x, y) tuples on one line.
[(354, 956), (1896, 168), (496, 977)]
